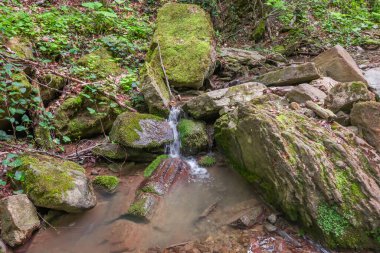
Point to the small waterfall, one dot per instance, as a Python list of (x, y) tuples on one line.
[(175, 147)]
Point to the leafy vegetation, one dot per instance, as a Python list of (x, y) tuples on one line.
[(207, 161)]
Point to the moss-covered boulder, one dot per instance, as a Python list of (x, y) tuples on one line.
[(184, 34), (16, 96), (107, 183), (141, 131), (111, 151), (324, 177), (344, 95), (193, 136), (51, 85), (98, 64), (85, 116), (56, 184), (366, 116), (21, 47)]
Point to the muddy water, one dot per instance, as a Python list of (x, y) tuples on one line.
[(105, 229)]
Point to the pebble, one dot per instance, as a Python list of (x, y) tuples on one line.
[(94, 172), (269, 227), (272, 218), (294, 106)]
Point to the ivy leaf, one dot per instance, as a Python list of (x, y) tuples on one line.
[(2, 183), (20, 128), (92, 5), (15, 163), (19, 176), (66, 139), (92, 111)]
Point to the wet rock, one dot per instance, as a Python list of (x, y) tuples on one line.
[(373, 77), (18, 219), (338, 64), (324, 84), (366, 116), (293, 160), (208, 105), (51, 85), (305, 92), (291, 75), (22, 47), (247, 219), (56, 184), (269, 227), (236, 61), (111, 151), (343, 118), (272, 218), (141, 131), (85, 115), (184, 38), (344, 95), (193, 136)]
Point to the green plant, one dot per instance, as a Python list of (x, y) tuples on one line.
[(330, 221), (127, 82), (207, 161)]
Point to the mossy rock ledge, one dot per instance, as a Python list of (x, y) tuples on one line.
[(193, 136), (185, 36), (82, 117), (141, 131), (325, 178), (56, 184)]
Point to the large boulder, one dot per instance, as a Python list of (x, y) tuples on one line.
[(208, 105), (338, 64), (291, 75), (305, 92), (193, 136), (22, 47), (324, 177), (343, 96), (141, 131), (366, 116), (56, 184), (184, 40), (85, 115), (18, 219)]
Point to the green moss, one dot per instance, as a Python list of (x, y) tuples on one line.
[(126, 127), (154, 164), (358, 87), (107, 182), (331, 222), (137, 208), (149, 189), (193, 136), (185, 33), (207, 161), (259, 31), (98, 64), (47, 179), (21, 46)]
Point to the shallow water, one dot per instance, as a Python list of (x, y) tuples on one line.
[(104, 229)]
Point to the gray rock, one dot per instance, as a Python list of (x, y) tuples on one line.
[(291, 75), (343, 118), (18, 219), (208, 105), (111, 151), (56, 184), (272, 218), (270, 228), (366, 116), (141, 131), (338, 64), (373, 77), (344, 95), (324, 83), (305, 92), (246, 219)]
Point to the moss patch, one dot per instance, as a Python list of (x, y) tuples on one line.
[(137, 208), (193, 136), (207, 161), (154, 164), (109, 183)]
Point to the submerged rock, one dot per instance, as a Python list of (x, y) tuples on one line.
[(208, 105), (85, 116), (56, 184), (18, 219), (297, 163), (366, 116), (141, 131), (193, 136), (338, 64), (184, 38), (343, 96), (291, 75)]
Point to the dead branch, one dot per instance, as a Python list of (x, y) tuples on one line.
[(30, 150), (163, 69)]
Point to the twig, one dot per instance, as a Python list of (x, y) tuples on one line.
[(31, 150), (77, 153), (163, 69), (39, 215), (178, 244)]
